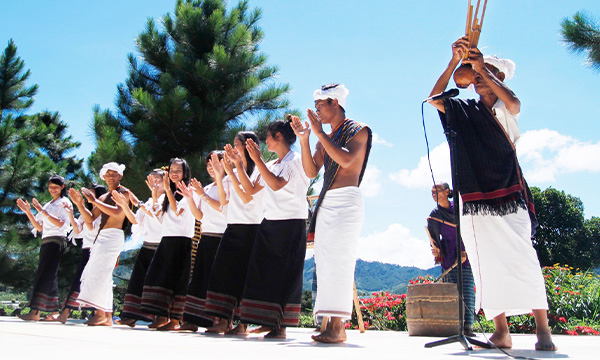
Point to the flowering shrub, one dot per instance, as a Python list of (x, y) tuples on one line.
[(382, 311), (427, 279), (573, 300)]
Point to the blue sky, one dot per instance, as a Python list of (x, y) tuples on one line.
[(387, 53)]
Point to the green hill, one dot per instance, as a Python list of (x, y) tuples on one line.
[(374, 276)]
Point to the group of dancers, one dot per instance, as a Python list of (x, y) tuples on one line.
[(249, 261), (250, 256)]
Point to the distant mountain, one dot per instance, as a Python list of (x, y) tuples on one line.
[(371, 276)]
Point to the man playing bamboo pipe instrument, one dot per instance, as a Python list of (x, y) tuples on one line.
[(498, 216)]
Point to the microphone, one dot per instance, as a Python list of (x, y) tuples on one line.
[(441, 96)]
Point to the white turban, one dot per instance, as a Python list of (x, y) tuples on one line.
[(506, 66), (332, 91), (112, 166)]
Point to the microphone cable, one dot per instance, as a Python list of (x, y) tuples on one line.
[(462, 300)]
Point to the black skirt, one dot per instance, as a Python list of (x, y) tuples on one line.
[(273, 290), (167, 278), (71, 301), (45, 287), (228, 276), (195, 300), (132, 306)]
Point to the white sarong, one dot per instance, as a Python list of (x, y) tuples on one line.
[(506, 269), (339, 221), (96, 279)]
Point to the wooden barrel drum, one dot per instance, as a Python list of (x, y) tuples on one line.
[(432, 309)]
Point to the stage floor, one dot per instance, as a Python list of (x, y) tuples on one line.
[(30, 340)]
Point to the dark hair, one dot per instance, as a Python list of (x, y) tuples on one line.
[(243, 136), (219, 154), (157, 172), (98, 190), (445, 186), (59, 180), (283, 127), (187, 175)]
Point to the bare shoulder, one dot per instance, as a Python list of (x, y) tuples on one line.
[(360, 139)]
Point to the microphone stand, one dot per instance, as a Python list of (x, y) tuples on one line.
[(461, 338)]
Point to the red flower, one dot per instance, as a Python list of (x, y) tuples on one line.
[(562, 319)]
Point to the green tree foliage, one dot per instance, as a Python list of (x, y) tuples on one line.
[(198, 74), (564, 236), (582, 34), (32, 147)]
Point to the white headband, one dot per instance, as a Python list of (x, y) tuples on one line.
[(506, 66), (338, 92), (112, 166)]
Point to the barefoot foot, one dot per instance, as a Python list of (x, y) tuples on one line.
[(221, 327), (501, 340), (261, 329), (240, 330), (276, 333), (172, 325), (545, 342), (127, 322), (33, 315), (158, 322), (188, 327)]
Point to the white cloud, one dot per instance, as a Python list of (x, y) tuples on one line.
[(420, 177), (371, 186), (379, 141), (545, 153), (396, 245)]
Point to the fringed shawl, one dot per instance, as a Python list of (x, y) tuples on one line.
[(341, 136), (489, 176)]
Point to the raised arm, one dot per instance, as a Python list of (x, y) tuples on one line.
[(235, 182), (88, 216), (24, 206), (122, 201), (199, 190), (310, 163), (69, 210), (344, 156), (110, 210), (508, 97), (459, 47), (169, 193), (249, 187), (219, 176), (51, 217), (188, 193), (273, 181)]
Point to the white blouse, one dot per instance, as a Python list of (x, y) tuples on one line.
[(86, 234), (149, 228), (213, 221), (54, 207), (288, 202), (237, 212), (182, 225), (508, 120)]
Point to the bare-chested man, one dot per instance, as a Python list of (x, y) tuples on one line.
[(96, 280), (339, 212)]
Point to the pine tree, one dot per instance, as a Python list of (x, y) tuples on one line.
[(197, 75), (32, 147), (582, 34)]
